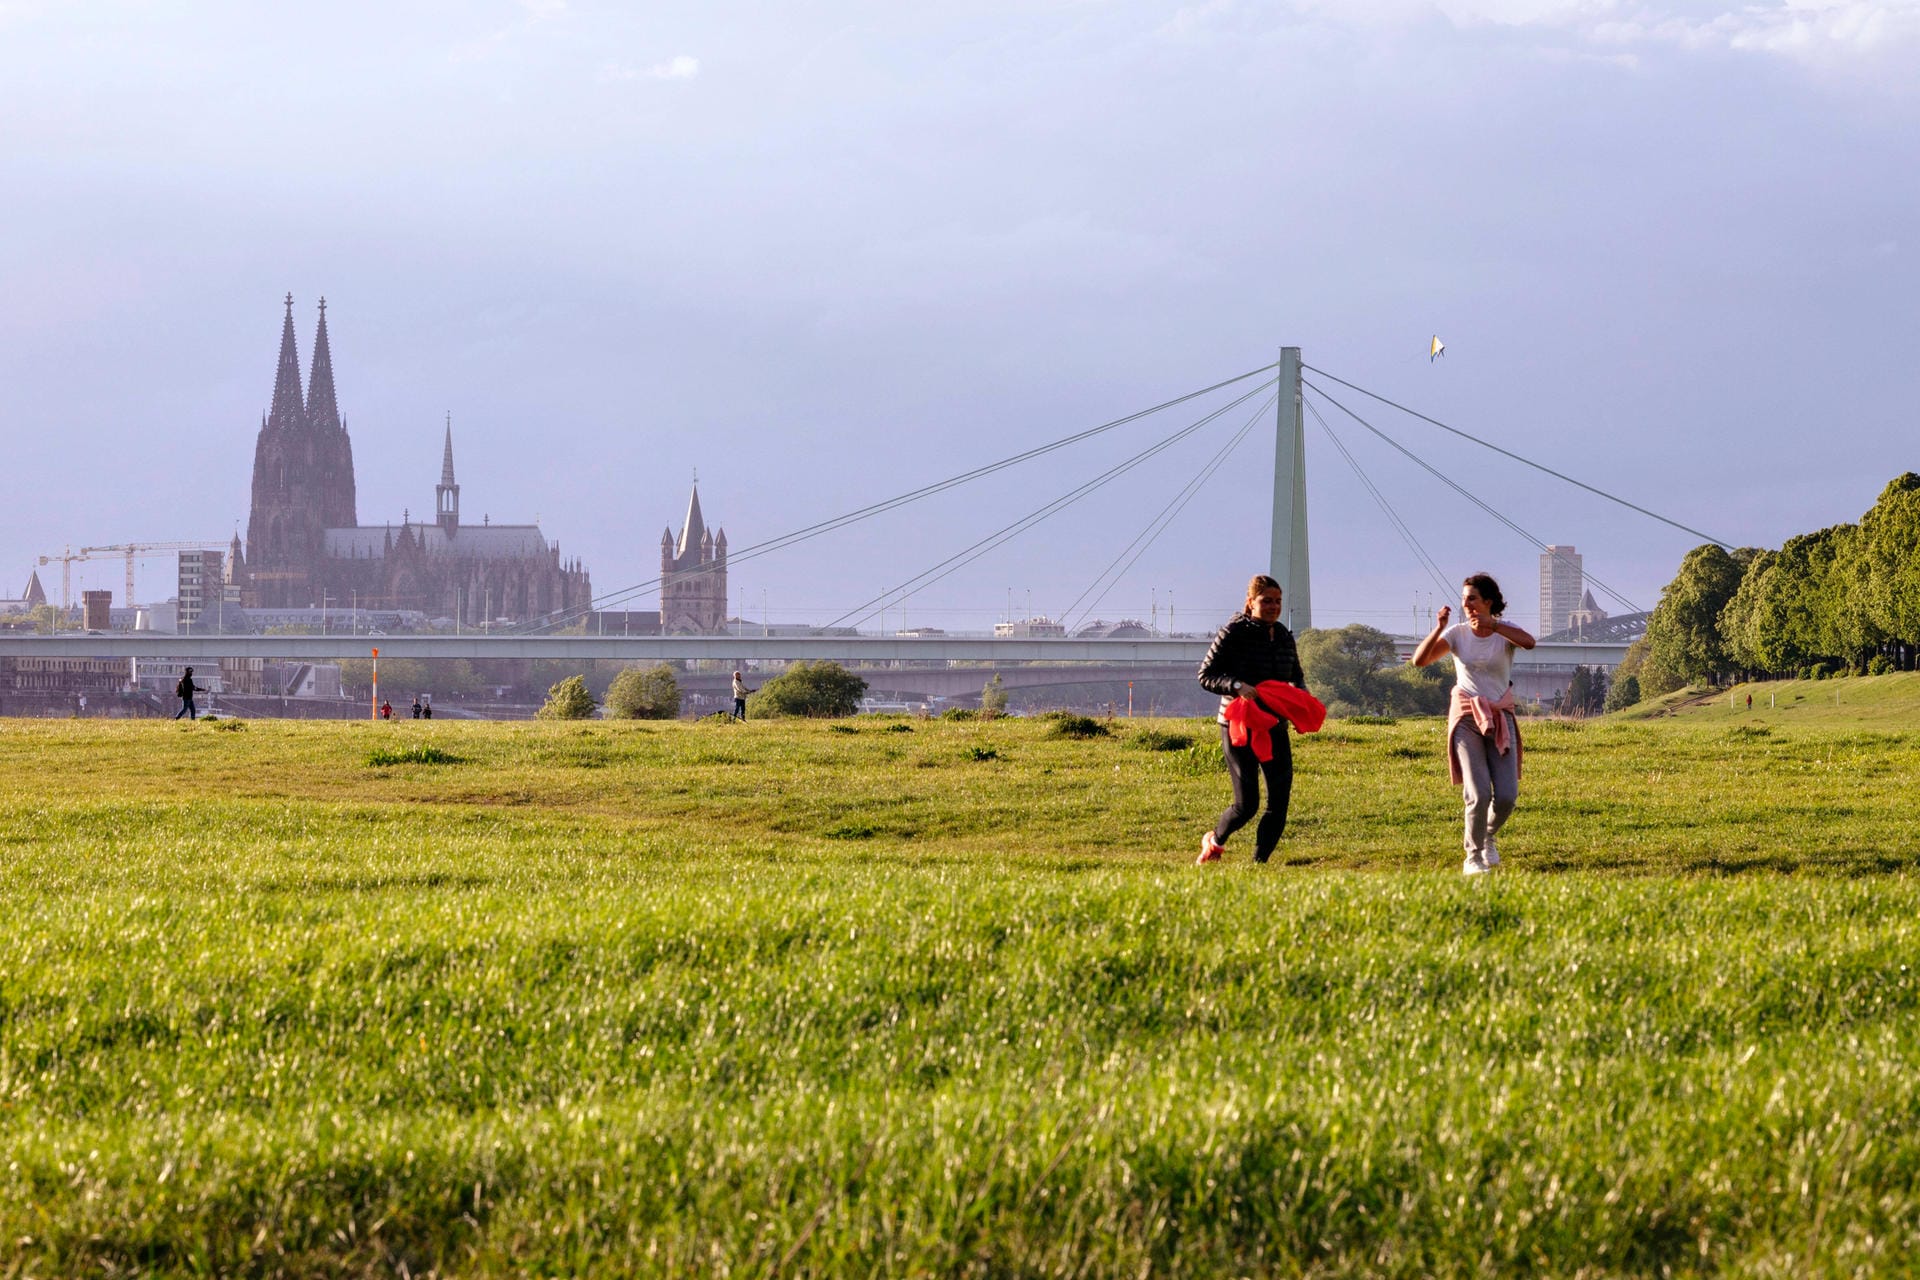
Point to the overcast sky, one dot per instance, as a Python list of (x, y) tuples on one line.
[(823, 252)]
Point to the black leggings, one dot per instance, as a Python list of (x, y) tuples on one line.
[(1244, 769)]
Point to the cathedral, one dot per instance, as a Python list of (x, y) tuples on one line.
[(305, 542)]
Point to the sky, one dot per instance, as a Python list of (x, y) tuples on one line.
[(829, 251)]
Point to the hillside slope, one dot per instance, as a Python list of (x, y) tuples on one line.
[(1890, 701)]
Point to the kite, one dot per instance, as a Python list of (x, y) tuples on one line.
[(1437, 350)]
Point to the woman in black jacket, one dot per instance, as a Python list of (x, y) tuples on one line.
[(1253, 647)]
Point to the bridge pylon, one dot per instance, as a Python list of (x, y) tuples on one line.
[(1288, 558)]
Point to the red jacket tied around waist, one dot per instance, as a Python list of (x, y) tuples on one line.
[(1252, 723)]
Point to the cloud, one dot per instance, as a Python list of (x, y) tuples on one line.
[(678, 67), (1830, 35)]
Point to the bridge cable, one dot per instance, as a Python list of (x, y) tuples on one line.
[(1007, 533), (1161, 522), (820, 528), (1611, 497), (1460, 489), (1405, 531)]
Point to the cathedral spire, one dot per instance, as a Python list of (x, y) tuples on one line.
[(288, 411), (446, 494), (322, 411)]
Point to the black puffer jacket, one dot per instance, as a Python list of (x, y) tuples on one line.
[(1249, 651)]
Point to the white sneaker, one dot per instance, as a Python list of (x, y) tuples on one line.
[(1473, 866), (1492, 856)]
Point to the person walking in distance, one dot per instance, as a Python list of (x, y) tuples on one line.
[(1483, 737), (740, 692), (1251, 649), (185, 691)]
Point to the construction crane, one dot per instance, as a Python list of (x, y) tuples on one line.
[(131, 550), (66, 574)]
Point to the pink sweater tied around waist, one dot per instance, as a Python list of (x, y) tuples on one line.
[(1491, 719)]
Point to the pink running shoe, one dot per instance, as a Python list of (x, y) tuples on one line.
[(1210, 850)]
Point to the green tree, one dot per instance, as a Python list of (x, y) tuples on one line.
[(1652, 678), (1750, 623), (1623, 693), (993, 696), (1355, 669), (644, 693), (46, 619), (1587, 691), (1805, 600), (1889, 553), (817, 689), (568, 700), (1683, 635)]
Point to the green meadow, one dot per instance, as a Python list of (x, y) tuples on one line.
[(893, 997)]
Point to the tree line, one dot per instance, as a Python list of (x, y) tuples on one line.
[(1841, 599)]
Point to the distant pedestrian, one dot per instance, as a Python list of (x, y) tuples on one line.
[(1749, 702), (386, 710), (185, 691), (416, 706), (426, 708), (1248, 656), (1483, 737), (740, 692)]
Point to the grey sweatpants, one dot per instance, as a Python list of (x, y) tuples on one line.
[(1489, 779)]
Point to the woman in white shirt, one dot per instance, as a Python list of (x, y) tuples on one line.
[(1483, 738)]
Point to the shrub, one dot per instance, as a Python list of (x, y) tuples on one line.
[(644, 693), (817, 689), (1881, 665), (993, 696), (1161, 740), (959, 713), (418, 754), (982, 753), (1364, 719), (1072, 726), (568, 700)]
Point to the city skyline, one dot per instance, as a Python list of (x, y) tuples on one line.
[(823, 258)]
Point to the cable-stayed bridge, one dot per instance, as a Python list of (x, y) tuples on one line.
[(1283, 394)]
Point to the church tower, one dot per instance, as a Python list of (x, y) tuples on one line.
[(693, 577), (302, 477)]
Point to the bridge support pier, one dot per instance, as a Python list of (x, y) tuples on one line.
[(1288, 558)]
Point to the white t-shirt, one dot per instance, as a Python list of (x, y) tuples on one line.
[(1482, 665)]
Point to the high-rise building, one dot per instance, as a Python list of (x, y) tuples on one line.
[(200, 583), (1561, 583), (96, 608)]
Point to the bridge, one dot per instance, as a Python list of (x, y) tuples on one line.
[(954, 666), (950, 668)]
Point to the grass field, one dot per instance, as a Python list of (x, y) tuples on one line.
[(899, 997)]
